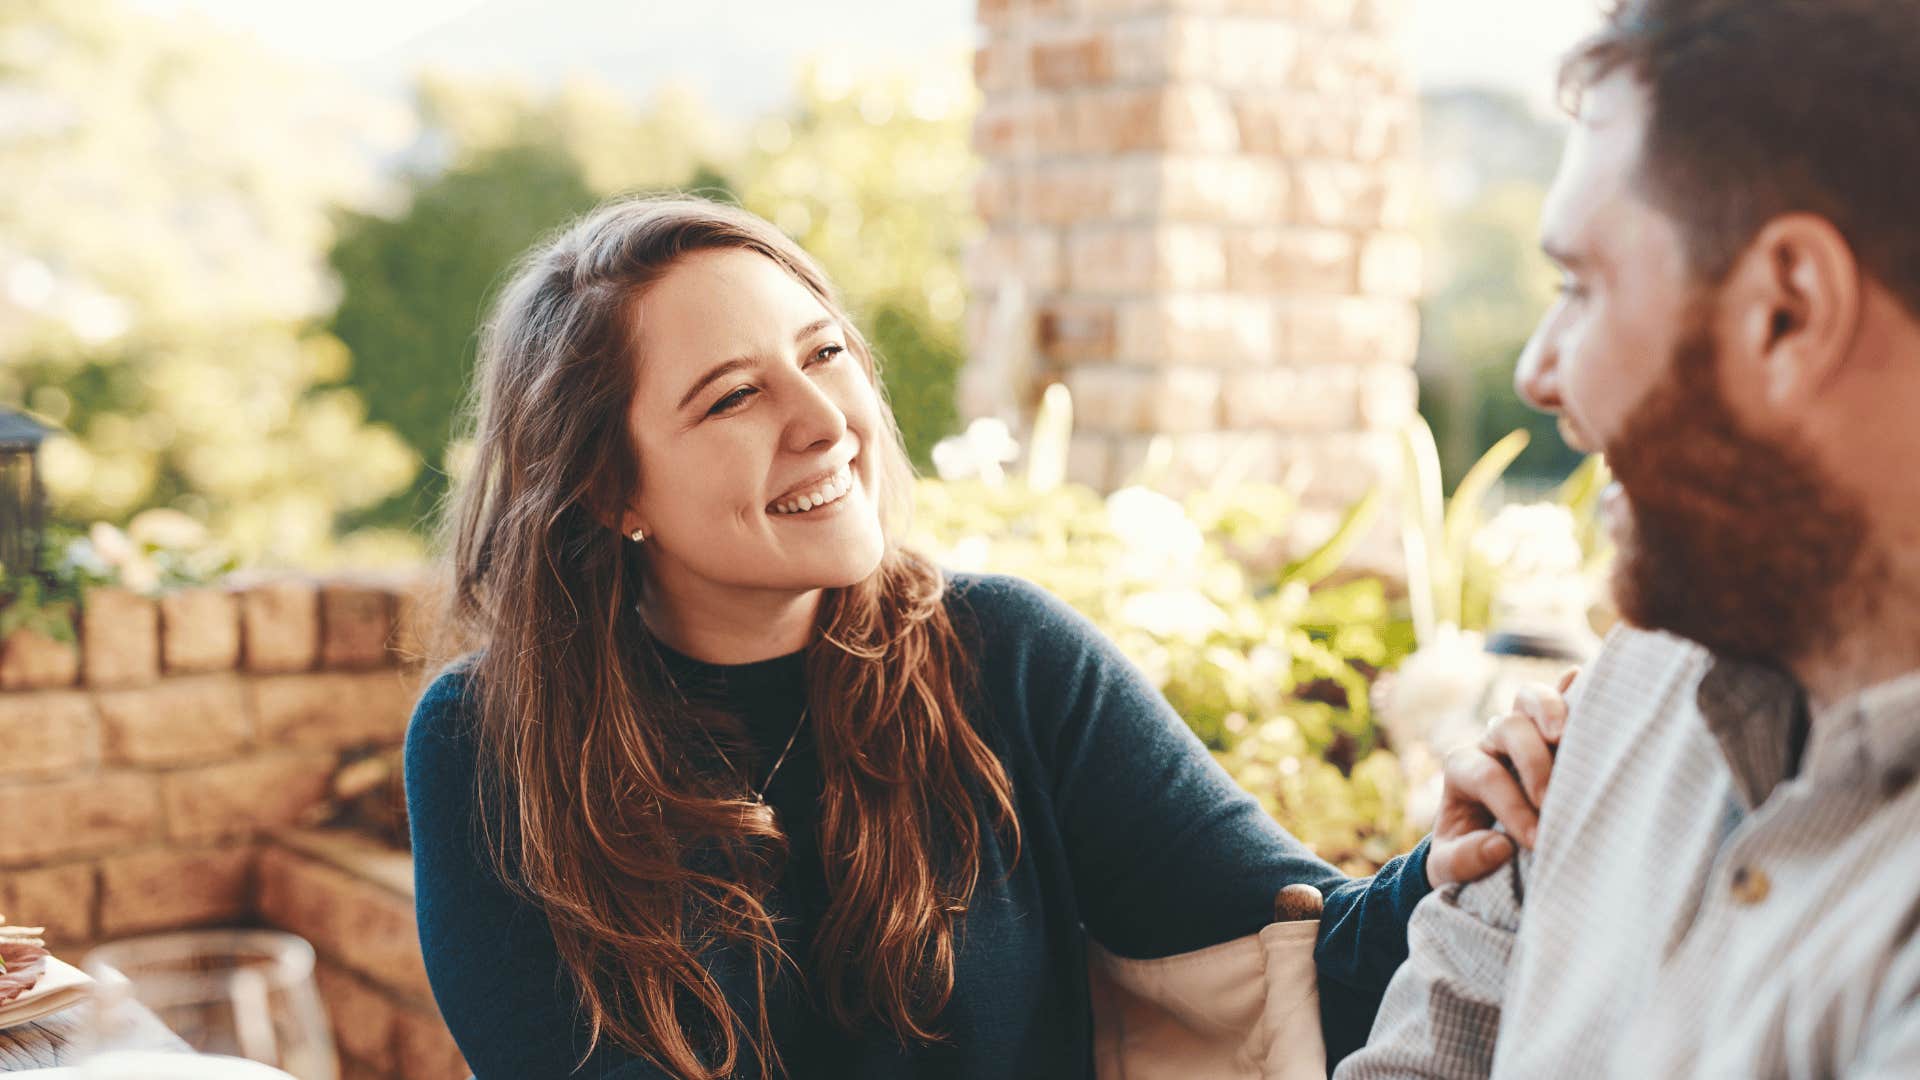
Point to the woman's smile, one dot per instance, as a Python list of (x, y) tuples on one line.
[(817, 496)]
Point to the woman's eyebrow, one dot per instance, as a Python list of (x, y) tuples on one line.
[(728, 367)]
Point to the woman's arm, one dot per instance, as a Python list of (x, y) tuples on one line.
[(1167, 853), (490, 956)]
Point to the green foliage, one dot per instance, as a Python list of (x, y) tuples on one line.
[(415, 288), (164, 205), (1272, 672)]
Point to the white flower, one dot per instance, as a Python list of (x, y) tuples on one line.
[(1529, 539), (1434, 693), (983, 450), (166, 529), (1161, 543), (969, 554), (1173, 613)]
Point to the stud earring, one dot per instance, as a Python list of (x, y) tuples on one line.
[(636, 536)]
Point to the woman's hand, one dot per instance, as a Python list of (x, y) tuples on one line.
[(1502, 779)]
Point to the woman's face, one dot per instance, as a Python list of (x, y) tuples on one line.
[(759, 432)]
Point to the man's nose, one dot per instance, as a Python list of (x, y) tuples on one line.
[(1536, 378)]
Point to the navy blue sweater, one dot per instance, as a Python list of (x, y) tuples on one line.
[(1131, 834)]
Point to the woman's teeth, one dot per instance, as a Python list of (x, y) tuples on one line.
[(832, 490)]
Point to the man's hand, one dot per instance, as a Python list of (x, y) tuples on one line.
[(1502, 779)]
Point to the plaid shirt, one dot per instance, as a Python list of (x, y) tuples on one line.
[(1702, 902)]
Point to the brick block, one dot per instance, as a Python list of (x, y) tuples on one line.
[(199, 631), (1294, 126), (60, 898), (1130, 119), (30, 660), (64, 819), (334, 710), (352, 1068), (239, 799), (1337, 470), (1090, 459), (1387, 129), (1229, 190), (280, 626), (356, 622), (1081, 59), (418, 605), (177, 722), (47, 734), (1291, 260), (1119, 400), (1181, 464), (1029, 256), (1021, 128), (1199, 328), (1389, 397), (1344, 195), (1002, 65), (1068, 192), (1146, 258), (167, 888), (119, 638), (1074, 330), (1288, 399), (362, 1017), (1390, 266), (1350, 330), (353, 923)]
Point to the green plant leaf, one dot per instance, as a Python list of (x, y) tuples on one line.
[(1329, 556)]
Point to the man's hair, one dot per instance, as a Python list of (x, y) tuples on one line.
[(1761, 108)]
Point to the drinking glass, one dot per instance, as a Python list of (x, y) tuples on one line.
[(241, 1000)]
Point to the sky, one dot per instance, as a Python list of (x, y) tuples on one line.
[(741, 54)]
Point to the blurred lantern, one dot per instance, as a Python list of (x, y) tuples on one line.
[(22, 500)]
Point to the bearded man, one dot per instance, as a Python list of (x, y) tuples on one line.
[(1726, 878)]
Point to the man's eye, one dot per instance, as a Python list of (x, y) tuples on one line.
[(731, 401)]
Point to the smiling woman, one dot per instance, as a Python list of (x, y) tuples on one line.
[(755, 790)]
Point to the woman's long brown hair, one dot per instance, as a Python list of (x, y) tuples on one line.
[(590, 800)]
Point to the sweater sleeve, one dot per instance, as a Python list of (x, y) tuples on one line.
[(489, 955), (1167, 853)]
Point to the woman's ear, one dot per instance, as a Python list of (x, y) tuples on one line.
[(1794, 298)]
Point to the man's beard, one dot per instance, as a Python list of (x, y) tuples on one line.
[(1737, 542)]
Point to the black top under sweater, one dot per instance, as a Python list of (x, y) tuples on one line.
[(1132, 834)]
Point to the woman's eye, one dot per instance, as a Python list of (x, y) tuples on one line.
[(731, 401), (828, 353)]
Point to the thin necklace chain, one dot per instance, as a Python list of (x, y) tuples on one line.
[(760, 795)]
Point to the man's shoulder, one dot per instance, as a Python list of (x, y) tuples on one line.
[(1638, 677)]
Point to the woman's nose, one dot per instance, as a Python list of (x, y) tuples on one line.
[(815, 418)]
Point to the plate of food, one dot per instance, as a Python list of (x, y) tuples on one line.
[(33, 982)]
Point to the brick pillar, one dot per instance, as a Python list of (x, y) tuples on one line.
[(1198, 217)]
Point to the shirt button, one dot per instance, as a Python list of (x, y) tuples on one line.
[(1751, 886)]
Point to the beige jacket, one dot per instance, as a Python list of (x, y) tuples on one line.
[(1247, 1009)]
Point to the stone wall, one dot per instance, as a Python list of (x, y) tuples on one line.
[(1198, 217), (146, 768)]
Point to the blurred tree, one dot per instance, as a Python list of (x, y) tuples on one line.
[(165, 194), (416, 286), (873, 175), (870, 174), (1489, 161)]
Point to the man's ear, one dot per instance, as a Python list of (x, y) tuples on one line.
[(1793, 302)]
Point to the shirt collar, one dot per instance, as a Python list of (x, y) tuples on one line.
[(1875, 734), (1759, 716)]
